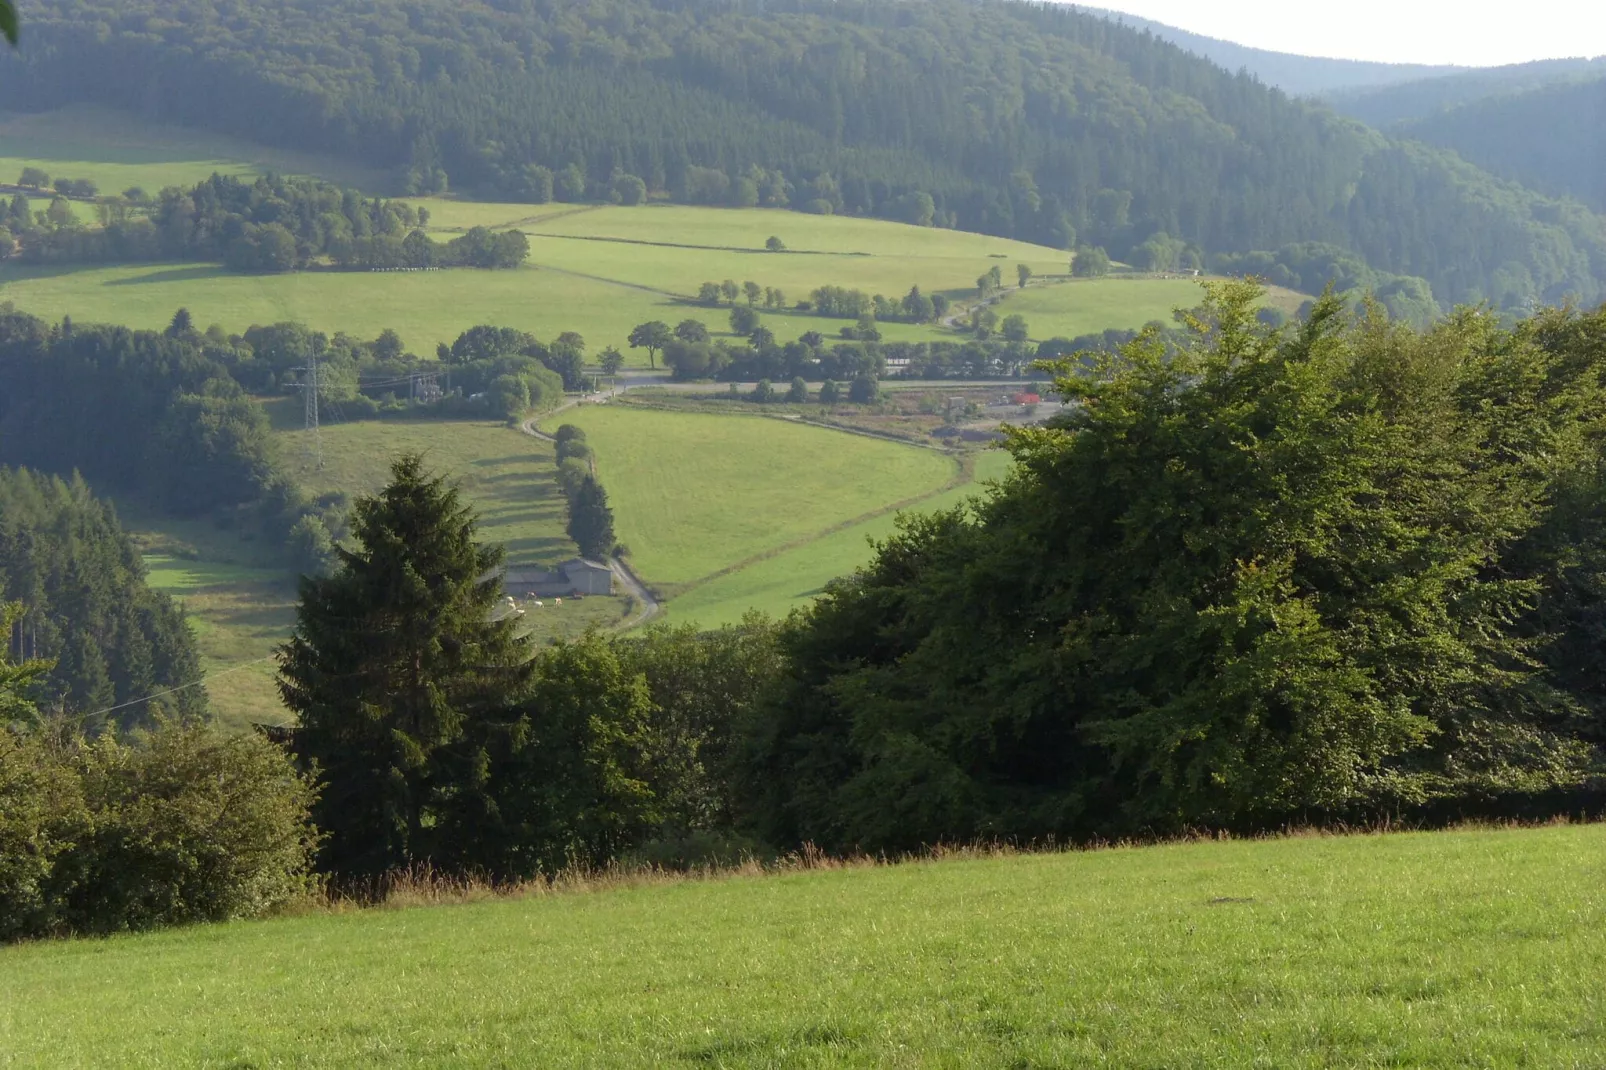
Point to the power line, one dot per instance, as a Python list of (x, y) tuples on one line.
[(181, 687), (314, 441)]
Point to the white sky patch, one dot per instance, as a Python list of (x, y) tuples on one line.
[(1471, 33)]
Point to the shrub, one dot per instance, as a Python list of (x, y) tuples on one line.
[(568, 432), (181, 824), (572, 471), (573, 448)]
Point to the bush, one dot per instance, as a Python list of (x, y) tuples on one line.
[(567, 433), (183, 824), (572, 471), (573, 448)]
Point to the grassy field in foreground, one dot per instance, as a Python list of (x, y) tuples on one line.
[(693, 494), (1447, 949), (779, 584)]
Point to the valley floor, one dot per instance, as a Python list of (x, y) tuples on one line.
[(1463, 948)]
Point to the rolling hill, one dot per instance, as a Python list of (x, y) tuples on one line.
[(1294, 74), (1551, 138), (1406, 102), (1038, 123)]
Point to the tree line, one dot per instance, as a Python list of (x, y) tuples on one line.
[(1402, 625), (590, 519), (1378, 598), (998, 349), (270, 224), (168, 417)]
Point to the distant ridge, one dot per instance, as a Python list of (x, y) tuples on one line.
[(1382, 106), (1294, 74)]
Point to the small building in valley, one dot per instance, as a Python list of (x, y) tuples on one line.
[(576, 576)]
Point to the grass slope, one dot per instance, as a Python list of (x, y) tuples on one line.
[(1066, 309), (423, 308), (779, 584), (598, 270), (1451, 949), (693, 494), (240, 614), (505, 475), (241, 601), (117, 150)]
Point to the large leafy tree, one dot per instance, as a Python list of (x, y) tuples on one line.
[(1265, 576), (395, 658)]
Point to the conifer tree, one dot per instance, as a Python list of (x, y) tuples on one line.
[(590, 520), (16, 679), (395, 663)]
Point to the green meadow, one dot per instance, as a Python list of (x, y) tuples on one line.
[(738, 512), (791, 578), (424, 308), (598, 270), (240, 614), (506, 475), (1068, 308), (117, 150), (695, 494), (1470, 948)]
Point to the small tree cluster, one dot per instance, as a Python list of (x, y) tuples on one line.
[(181, 823)]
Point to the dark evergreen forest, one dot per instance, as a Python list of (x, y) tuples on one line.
[(83, 604), (1037, 122)]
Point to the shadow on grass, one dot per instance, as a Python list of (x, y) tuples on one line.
[(188, 273)]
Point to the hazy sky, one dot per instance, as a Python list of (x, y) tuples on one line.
[(1474, 33)]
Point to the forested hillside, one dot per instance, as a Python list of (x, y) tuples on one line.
[(81, 602), (1296, 75), (1035, 122), (1552, 139), (1382, 106)]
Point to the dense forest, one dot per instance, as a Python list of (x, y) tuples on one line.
[(1383, 106), (1037, 122), (81, 603), (1552, 138)]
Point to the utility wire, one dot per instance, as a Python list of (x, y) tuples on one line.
[(180, 687)]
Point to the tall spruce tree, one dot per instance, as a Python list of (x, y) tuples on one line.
[(591, 520), (395, 664)]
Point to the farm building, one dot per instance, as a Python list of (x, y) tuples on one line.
[(576, 576)]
